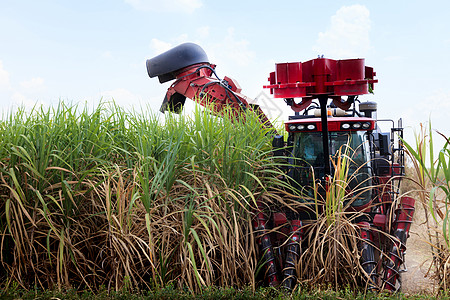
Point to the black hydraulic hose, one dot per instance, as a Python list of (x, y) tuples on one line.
[(236, 97), (196, 70), (227, 89)]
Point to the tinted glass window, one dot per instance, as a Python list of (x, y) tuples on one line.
[(308, 152)]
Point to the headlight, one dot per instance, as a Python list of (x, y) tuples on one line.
[(311, 127), (356, 125), (345, 126), (300, 127), (366, 125), (292, 127)]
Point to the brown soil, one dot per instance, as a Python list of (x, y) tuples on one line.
[(418, 258)]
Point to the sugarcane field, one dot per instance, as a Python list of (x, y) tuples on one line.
[(136, 161)]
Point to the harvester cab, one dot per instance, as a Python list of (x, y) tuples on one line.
[(329, 121)]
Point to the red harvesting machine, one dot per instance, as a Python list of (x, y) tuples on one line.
[(316, 131)]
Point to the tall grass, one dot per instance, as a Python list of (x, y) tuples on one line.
[(432, 185), (122, 199), (109, 198), (333, 255)]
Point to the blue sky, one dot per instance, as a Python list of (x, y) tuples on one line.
[(81, 51)]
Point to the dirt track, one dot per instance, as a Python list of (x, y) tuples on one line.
[(418, 258)]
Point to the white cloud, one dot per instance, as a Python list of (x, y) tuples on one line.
[(183, 6), (231, 50), (33, 85), (159, 46), (107, 55), (130, 100), (203, 32), (436, 108), (393, 58), (437, 105), (4, 78), (227, 51), (121, 96), (348, 34), (14, 96), (237, 50), (182, 38), (20, 100)]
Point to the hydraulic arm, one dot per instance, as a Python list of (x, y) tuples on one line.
[(195, 78)]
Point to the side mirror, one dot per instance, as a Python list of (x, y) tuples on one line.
[(384, 144), (278, 145)]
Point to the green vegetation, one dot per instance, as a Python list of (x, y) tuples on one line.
[(211, 293), (124, 200), (432, 186), (116, 203)]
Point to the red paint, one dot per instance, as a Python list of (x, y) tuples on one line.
[(321, 76)]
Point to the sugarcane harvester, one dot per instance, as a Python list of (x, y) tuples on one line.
[(329, 88)]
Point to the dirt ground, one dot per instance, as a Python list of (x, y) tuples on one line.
[(418, 258)]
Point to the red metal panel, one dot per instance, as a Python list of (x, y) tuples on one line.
[(288, 73), (350, 69), (281, 73), (272, 78), (289, 92), (295, 72), (380, 221), (321, 76), (235, 87), (307, 68)]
